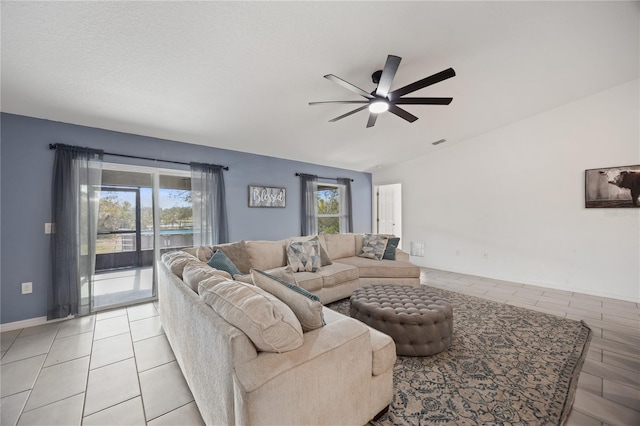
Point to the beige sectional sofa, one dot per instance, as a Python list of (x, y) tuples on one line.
[(338, 280), (341, 374)]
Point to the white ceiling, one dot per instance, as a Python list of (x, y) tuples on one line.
[(239, 75)]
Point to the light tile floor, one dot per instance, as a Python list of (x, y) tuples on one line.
[(117, 367), (113, 368)]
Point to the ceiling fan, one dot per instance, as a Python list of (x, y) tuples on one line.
[(381, 100)]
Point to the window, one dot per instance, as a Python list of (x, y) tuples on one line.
[(328, 209)]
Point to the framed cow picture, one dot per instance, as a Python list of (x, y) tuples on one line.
[(612, 187)]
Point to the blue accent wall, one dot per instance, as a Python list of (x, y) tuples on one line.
[(26, 174)]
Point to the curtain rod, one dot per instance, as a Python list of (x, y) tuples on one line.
[(55, 146), (320, 177)]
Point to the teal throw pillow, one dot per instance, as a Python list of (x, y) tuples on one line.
[(222, 262), (390, 250)]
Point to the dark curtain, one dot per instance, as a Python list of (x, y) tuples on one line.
[(309, 204), (209, 205), (77, 175), (346, 211)]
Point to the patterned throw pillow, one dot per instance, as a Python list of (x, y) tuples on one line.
[(324, 256), (373, 246), (390, 251), (304, 256), (222, 262), (305, 305)]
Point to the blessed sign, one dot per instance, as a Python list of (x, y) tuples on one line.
[(267, 196)]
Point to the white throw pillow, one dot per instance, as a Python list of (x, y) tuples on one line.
[(305, 305), (268, 322), (196, 271)]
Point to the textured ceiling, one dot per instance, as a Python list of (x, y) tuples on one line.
[(239, 75)]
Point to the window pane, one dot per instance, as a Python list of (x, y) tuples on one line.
[(328, 225), (176, 216), (328, 200), (117, 211)]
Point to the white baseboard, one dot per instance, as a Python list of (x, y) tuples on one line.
[(31, 322)]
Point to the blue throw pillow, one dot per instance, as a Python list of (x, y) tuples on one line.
[(390, 250), (222, 262)]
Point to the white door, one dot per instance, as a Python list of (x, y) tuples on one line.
[(388, 210)]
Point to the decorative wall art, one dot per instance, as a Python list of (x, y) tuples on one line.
[(267, 196), (613, 187)]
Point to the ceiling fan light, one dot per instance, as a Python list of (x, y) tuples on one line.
[(377, 107)]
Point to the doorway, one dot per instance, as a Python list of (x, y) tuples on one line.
[(143, 212), (388, 210)]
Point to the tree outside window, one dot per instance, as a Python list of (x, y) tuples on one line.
[(328, 209)]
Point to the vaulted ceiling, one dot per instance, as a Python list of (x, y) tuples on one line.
[(239, 75)]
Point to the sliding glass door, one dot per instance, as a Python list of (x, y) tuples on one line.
[(143, 212)]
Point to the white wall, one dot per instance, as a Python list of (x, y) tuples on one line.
[(517, 194)]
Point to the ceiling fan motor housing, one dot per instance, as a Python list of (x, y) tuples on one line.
[(375, 77)]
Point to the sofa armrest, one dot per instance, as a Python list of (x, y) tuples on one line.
[(402, 255), (333, 337), (328, 377)]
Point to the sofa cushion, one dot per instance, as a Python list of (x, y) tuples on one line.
[(176, 261), (305, 306), (369, 268), (222, 262), (284, 272), (211, 282), (205, 253), (265, 255), (390, 250), (304, 256), (238, 254), (311, 281), (267, 321), (324, 256), (373, 246), (338, 273), (340, 245), (196, 271)]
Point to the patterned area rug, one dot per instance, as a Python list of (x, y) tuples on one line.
[(505, 366)]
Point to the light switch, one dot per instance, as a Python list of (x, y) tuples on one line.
[(27, 288), (49, 228)]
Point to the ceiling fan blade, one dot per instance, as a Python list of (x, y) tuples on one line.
[(423, 101), (348, 114), (348, 86), (402, 113), (388, 73), (338, 102), (372, 120), (432, 79)]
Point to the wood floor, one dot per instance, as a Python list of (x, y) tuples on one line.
[(609, 384)]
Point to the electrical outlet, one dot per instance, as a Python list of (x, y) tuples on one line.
[(27, 288)]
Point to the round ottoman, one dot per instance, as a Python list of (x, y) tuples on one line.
[(418, 320)]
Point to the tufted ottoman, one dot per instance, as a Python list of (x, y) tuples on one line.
[(418, 320)]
